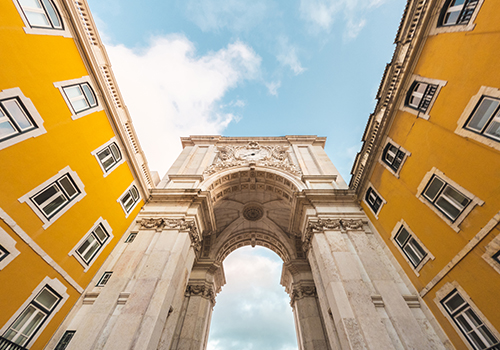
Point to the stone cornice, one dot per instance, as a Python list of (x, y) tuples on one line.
[(410, 39)]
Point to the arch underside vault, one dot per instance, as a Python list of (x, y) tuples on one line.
[(344, 290)]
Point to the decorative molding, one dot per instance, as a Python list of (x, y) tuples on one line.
[(252, 153), (160, 224), (300, 292), (320, 225), (202, 290)]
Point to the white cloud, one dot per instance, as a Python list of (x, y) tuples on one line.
[(273, 87), (321, 14), (288, 56), (171, 92), (237, 15)]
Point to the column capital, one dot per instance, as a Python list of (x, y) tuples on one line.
[(320, 225), (203, 290), (302, 291)]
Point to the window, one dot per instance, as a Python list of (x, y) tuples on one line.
[(496, 257), (420, 95), (450, 201), (104, 279), (485, 119), (55, 196), (468, 322), (3, 253), (131, 237), (412, 249), (66, 338), (129, 199), (41, 14), (19, 119), (393, 157), (374, 200), (34, 315), (79, 96), (446, 198), (109, 156), (457, 12), (93, 243)]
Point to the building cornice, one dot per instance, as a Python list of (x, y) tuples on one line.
[(97, 61)]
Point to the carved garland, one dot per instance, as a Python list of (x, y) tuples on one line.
[(329, 224), (271, 156), (302, 292), (160, 224), (202, 290)]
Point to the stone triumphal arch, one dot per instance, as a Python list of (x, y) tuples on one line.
[(223, 193)]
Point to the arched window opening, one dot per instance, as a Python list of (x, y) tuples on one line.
[(252, 310), (457, 12)]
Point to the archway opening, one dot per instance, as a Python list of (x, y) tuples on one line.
[(252, 310)]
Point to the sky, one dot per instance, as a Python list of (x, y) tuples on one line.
[(249, 68)]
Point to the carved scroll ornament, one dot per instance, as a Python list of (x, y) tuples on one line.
[(252, 153), (321, 225), (160, 224), (201, 290), (300, 292)]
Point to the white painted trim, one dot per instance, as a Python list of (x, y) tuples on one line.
[(428, 255), (473, 199), (446, 290), (37, 118), (462, 131), (85, 79), (27, 197), (494, 246), (38, 250), (116, 165), (77, 256), (368, 204), (418, 78), (54, 284), (9, 244), (41, 31), (435, 29), (385, 165), (123, 194)]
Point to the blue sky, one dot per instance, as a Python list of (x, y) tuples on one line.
[(249, 68)]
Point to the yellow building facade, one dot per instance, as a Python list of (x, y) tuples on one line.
[(429, 169), (73, 175)]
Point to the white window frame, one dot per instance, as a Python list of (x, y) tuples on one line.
[(369, 205), (33, 114), (74, 252), (28, 29), (59, 288), (9, 244), (493, 248), (96, 152), (47, 222), (119, 200), (444, 292), (417, 78), (105, 277), (437, 29), (474, 200), (385, 165), (467, 113), (428, 256), (60, 85)]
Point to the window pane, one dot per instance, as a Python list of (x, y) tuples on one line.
[(451, 17), (483, 113), (103, 154), (33, 324), (17, 114), (135, 194), (457, 2), (55, 204), (454, 302), (85, 244), (418, 249), (490, 338), (90, 253), (68, 186), (420, 88), (456, 196), (115, 151), (402, 236), (414, 258), (30, 3), (127, 201), (73, 91), (89, 94), (52, 14), (434, 188), (23, 318), (494, 129), (100, 233), (6, 128), (46, 194), (46, 299), (463, 323), (444, 204), (37, 19)]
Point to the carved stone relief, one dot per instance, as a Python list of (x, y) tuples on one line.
[(160, 224), (253, 153), (321, 225), (203, 290), (300, 292)]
